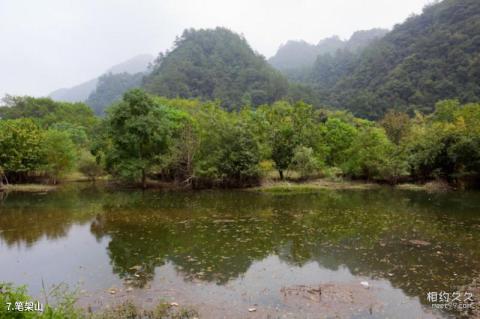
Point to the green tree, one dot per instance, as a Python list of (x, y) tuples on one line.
[(229, 152), (88, 166), (47, 112), (283, 127), (396, 125), (58, 152), (369, 155), (21, 148), (216, 65), (339, 136), (240, 155), (140, 133), (305, 162)]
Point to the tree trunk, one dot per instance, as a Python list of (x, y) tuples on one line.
[(280, 172), (144, 179)]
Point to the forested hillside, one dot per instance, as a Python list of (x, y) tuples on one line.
[(82, 91), (110, 88), (216, 65), (429, 57), (300, 54)]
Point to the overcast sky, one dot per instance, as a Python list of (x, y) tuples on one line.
[(49, 44)]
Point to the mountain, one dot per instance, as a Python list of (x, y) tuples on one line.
[(300, 54), (110, 88), (77, 93), (429, 57), (81, 92), (216, 64)]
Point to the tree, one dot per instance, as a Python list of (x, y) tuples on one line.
[(369, 154), (338, 136), (88, 166), (446, 144), (228, 152), (396, 125), (47, 112), (140, 133), (240, 155), (58, 152), (283, 127), (429, 57), (304, 161), (21, 148), (216, 65)]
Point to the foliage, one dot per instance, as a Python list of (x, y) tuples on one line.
[(59, 153), (21, 148), (396, 125), (215, 65), (338, 136), (446, 144), (64, 303), (77, 133), (48, 136), (64, 307), (47, 112), (429, 57), (296, 56), (239, 156), (283, 127), (88, 166), (304, 162), (369, 153), (201, 144), (162, 311), (140, 131), (228, 152)]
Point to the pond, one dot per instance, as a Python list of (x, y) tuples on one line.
[(361, 254)]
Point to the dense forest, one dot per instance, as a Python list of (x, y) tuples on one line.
[(212, 112), (110, 88), (429, 57), (216, 65), (200, 144), (81, 92), (295, 55)]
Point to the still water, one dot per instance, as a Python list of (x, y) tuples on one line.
[(223, 252)]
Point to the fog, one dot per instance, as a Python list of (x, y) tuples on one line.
[(50, 44)]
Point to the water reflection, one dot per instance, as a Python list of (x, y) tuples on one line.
[(419, 242)]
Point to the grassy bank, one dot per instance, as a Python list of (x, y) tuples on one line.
[(64, 306), (270, 184), (29, 188), (312, 186)]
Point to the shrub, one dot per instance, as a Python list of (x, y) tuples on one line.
[(89, 167), (59, 153), (305, 162)]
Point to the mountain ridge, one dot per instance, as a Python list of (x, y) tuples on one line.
[(295, 54), (81, 92)]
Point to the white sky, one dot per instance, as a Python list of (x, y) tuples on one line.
[(49, 44)]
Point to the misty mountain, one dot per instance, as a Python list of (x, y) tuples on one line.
[(81, 92), (110, 88), (77, 93), (216, 64), (300, 54), (429, 57)]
